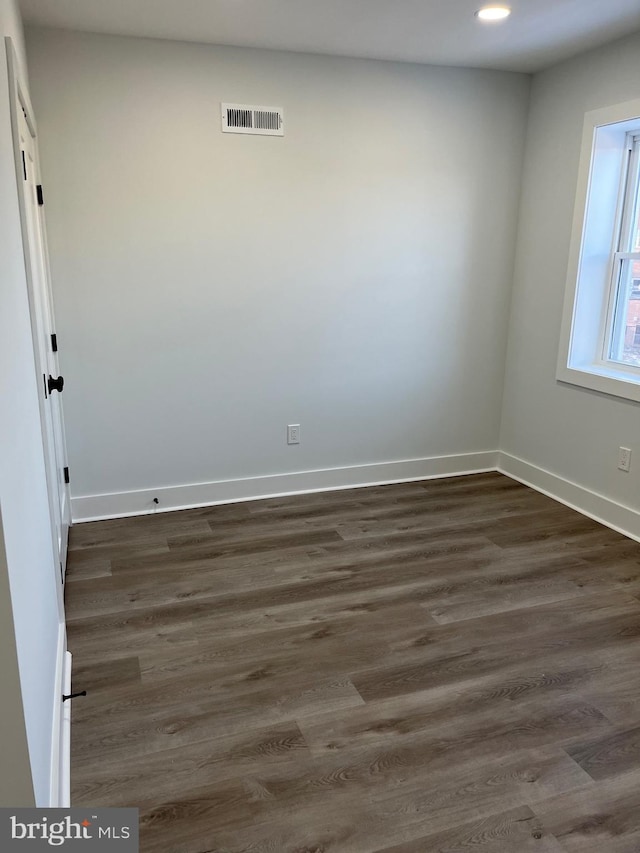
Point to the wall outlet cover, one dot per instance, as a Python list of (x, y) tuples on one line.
[(293, 434), (624, 458)]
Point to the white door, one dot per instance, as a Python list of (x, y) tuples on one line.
[(44, 338)]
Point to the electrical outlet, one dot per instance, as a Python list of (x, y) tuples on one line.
[(293, 434), (624, 459)]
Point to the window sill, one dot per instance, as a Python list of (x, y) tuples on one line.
[(606, 380)]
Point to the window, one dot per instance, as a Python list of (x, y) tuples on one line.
[(625, 311), (600, 339)]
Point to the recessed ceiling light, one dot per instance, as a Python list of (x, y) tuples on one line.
[(493, 13)]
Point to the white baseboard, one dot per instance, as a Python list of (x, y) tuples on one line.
[(122, 504), (59, 747), (617, 516), (623, 519)]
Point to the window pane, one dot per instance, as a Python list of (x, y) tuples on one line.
[(634, 201), (625, 346), (635, 228)]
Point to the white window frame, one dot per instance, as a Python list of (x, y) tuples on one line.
[(595, 256)]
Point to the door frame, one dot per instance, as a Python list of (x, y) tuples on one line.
[(60, 754)]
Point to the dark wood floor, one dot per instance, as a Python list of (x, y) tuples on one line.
[(445, 666)]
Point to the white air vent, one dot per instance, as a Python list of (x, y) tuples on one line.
[(241, 118)]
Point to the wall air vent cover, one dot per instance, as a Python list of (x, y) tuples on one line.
[(242, 118)]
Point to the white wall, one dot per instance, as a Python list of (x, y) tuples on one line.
[(352, 276), (16, 786), (23, 497), (569, 431)]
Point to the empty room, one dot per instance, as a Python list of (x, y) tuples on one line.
[(320, 434)]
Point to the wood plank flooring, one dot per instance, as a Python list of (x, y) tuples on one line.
[(442, 666)]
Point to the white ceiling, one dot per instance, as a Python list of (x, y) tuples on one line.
[(443, 32)]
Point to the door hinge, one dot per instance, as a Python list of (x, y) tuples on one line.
[(54, 343), (24, 166), (46, 390), (39, 194), (66, 475)]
